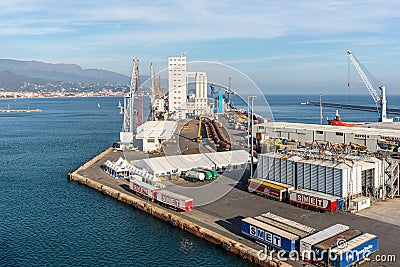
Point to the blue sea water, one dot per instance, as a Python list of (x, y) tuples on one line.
[(45, 220)]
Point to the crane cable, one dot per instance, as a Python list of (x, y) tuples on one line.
[(348, 71)]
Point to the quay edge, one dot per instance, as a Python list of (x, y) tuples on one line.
[(237, 248)]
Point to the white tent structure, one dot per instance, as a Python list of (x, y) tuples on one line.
[(121, 168), (174, 164)]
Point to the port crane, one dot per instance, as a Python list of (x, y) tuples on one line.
[(227, 92), (379, 100), (138, 96)]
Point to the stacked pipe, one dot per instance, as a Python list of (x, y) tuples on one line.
[(208, 130), (220, 133), (216, 135)]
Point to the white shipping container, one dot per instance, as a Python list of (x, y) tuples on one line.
[(360, 203), (307, 243), (290, 223)]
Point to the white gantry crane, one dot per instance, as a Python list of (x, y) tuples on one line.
[(379, 100)]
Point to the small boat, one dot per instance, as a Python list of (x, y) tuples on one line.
[(98, 105), (338, 122)]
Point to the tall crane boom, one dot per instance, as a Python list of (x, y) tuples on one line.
[(379, 100), (135, 83)]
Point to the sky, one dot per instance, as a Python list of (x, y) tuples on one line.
[(285, 46)]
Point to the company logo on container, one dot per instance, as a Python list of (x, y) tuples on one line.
[(360, 254), (271, 192), (315, 201), (265, 235), (170, 201)]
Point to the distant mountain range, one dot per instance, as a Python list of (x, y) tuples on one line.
[(13, 74)]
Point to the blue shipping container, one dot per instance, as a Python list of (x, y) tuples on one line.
[(355, 254), (340, 203), (269, 235)]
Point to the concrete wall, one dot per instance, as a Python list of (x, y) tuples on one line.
[(176, 220)]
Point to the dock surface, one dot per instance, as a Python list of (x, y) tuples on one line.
[(220, 221)]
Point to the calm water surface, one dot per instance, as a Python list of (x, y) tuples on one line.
[(47, 221)]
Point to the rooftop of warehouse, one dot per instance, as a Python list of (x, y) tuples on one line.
[(186, 162), (341, 163), (156, 129), (329, 128)]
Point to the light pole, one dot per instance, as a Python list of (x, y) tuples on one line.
[(248, 121), (251, 137), (320, 108)]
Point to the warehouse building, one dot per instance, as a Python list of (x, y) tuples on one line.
[(343, 178), (307, 133)]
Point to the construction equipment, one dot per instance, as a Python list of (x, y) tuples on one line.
[(157, 97), (135, 83), (199, 137), (379, 100)]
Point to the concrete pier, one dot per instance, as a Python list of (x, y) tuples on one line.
[(219, 222), (179, 220)]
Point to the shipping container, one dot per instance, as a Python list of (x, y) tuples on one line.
[(174, 200), (269, 188), (360, 203), (143, 189), (282, 226), (340, 204), (356, 250), (290, 223), (269, 235), (322, 249), (307, 243), (313, 200)]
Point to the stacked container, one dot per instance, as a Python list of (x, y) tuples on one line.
[(306, 244)]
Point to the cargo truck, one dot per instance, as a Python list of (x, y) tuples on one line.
[(207, 174), (143, 189), (322, 249), (356, 250), (269, 189), (306, 244), (270, 235), (214, 173), (313, 200), (174, 200), (194, 176)]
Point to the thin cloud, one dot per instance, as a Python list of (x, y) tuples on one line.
[(205, 20)]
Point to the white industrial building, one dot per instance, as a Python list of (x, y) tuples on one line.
[(346, 178), (200, 100), (369, 137), (179, 107), (151, 134), (177, 87)]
